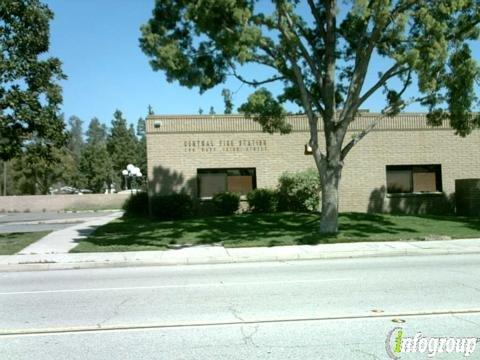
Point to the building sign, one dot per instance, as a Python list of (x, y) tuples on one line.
[(215, 146)]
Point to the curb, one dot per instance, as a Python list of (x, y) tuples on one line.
[(43, 265)]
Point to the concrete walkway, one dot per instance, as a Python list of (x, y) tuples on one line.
[(62, 241), (218, 254)]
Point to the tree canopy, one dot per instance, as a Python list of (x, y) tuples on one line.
[(96, 132), (37, 174), (30, 95), (227, 100), (122, 145), (75, 142), (321, 51), (200, 43)]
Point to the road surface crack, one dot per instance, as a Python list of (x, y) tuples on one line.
[(373, 356), (466, 320), (248, 338), (115, 312), (236, 314), (470, 287)]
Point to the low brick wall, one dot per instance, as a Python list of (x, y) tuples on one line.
[(39, 203)]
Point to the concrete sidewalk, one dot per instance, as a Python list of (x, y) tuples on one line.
[(221, 255), (62, 241)]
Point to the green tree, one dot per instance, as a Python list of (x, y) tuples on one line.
[(141, 127), (11, 173), (37, 174), (322, 60), (121, 145), (30, 95), (96, 132), (95, 164), (96, 168), (75, 141), (75, 145), (227, 100), (150, 110)]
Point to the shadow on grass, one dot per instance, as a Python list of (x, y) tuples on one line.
[(271, 230), (469, 222), (354, 227), (11, 243), (121, 235)]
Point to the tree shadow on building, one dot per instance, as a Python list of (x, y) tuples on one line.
[(427, 206), (165, 181), (410, 204)]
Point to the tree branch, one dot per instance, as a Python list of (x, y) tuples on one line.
[(304, 51), (359, 137), (312, 117), (298, 75), (317, 103), (392, 72), (329, 79), (371, 126), (315, 12), (362, 60), (255, 82)]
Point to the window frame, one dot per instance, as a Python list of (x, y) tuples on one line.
[(225, 171), (434, 168)]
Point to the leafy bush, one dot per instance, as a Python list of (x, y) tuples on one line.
[(171, 207), (299, 191), (226, 203), (204, 208), (136, 205), (262, 200)]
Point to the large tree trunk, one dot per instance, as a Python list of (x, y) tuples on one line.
[(330, 175)]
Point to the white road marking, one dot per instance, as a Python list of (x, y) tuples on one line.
[(177, 286)]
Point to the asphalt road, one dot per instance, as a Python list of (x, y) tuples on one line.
[(328, 309), (42, 221)]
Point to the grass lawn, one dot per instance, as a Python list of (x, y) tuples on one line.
[(128, 234), (11, 243)]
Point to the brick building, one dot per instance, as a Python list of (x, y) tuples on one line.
[(403, 165)]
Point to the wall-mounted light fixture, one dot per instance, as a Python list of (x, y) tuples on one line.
[(308, 150)]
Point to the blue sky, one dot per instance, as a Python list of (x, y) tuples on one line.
[(97, 41)]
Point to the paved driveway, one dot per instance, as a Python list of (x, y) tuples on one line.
[(44, 221)]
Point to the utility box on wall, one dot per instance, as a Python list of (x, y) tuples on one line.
[(467, 197)]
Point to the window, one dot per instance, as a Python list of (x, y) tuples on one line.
[(414, 178), (212, 181)]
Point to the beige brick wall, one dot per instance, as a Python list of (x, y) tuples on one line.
[(173, 159), (468, 197), (38, 203), (364, 175)]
